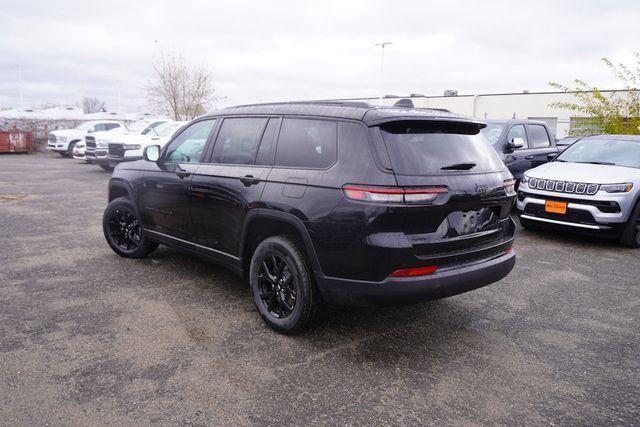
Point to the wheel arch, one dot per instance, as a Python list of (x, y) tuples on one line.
[(263, 223), (119, 189)]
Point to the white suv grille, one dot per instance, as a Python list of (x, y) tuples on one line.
[(563, 187)]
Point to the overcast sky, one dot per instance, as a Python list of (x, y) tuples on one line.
[(291, 50)]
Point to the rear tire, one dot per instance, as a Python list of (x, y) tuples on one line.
[(123, 230), (107, 168), (282, 285), (631, 234)]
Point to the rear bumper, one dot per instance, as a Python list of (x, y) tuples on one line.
[(398, 291)]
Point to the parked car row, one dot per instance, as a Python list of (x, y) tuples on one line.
[(108, 143), (352, 204)]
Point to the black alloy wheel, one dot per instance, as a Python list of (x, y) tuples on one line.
[(277, 286), (123, 230), (283, 285)]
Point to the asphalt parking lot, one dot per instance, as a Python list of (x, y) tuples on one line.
[(87, 337)]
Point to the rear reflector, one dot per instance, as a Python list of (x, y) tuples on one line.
[(412, 272), (392, 194), (510, 186)]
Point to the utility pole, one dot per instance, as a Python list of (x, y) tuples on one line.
[(20, 86), (382, 45)]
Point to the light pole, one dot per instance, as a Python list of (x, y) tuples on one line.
[(20, 86), (382, 45)]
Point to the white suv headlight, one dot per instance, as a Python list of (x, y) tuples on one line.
[(132, 146), (617, 188)]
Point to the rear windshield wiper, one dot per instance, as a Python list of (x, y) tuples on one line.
[(599, 163), (459, 166)]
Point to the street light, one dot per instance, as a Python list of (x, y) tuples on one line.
[(382, 45), (19, 69)]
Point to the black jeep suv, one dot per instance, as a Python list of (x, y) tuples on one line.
[(344, 203)]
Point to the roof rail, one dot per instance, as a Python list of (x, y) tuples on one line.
[(355, 104), (443, 110)]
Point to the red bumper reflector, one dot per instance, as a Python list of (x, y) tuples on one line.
[(412, 272)]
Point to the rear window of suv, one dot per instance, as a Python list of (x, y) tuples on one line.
[(425, 147)]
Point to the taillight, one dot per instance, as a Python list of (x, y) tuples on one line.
[(413, 272), (510, 186), (392, 194)]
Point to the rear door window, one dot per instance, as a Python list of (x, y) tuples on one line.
[(435, 148), (307, 143), (539, 137), (267, 149), (238, 140)]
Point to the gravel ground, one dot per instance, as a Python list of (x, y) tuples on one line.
[(87, 337)]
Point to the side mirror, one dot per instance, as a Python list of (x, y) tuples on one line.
[(551, 156), (515, 143), (151, 153), (90, 131)]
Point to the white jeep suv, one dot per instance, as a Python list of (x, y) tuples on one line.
[(593, 186), (64, 140)]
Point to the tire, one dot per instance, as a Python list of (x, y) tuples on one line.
[(123, 231), (527, 224), (277, 261), (63, 154), (107, 168), (70, 148), (631, 234)]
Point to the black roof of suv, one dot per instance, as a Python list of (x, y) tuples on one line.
[(342, 202), (369, 114)]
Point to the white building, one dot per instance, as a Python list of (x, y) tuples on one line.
[(524, 105)]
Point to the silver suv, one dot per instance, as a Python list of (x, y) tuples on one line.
[(593, 186)]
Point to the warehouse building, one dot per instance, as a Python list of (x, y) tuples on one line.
[(523, 105)]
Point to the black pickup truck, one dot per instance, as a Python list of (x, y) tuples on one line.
[(522, 144)]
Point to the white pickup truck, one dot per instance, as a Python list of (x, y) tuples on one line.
[(128, 148), (64, 140), (96, 144)]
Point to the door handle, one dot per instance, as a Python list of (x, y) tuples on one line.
[(249, 180), (530, 157), (182, 173)]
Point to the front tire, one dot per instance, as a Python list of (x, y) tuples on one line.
[(631, 234), (70, 148), (528, 225), (123, 230), (282, 285)]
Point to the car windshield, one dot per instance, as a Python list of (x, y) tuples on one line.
[(566, 141), (166, 128), (603, 151), (85, 126), (140, 126), (492, 132), (434, 148)]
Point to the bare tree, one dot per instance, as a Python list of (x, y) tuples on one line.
[(91, 104), (181, 90)]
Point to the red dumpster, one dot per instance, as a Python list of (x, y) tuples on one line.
[(16, 141)]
